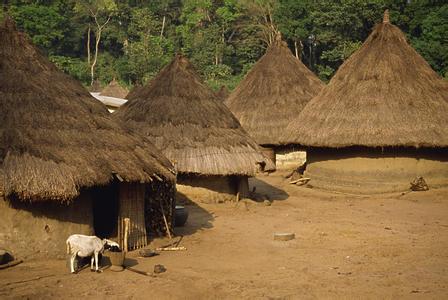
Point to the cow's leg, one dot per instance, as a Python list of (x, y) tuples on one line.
[(72, 263), (96, 261), (92, 259)]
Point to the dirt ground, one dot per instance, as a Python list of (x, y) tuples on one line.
[(346, 246)]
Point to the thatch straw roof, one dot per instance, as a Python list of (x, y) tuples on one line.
[(95, 87), (190, 125), (272, 94), (56, 139), (385, 94), (135, 89), (114, 89), (223, 93)]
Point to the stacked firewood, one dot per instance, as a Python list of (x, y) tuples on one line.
[(159, 203)]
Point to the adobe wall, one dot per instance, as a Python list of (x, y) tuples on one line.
[(33, 230), (209, 189), (269, 153), (289, 158), (367, 172)]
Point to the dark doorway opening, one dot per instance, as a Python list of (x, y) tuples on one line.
[(105, 210)]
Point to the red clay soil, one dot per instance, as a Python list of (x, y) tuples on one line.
[(390, 246)]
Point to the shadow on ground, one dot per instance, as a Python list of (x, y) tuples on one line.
[(198, 217), (273, 193)]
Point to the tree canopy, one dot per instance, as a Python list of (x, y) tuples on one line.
[(131, 40)]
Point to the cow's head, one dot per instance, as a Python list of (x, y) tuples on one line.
[(111, 245)]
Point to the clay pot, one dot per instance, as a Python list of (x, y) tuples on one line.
[(180, 216), (117, 260)]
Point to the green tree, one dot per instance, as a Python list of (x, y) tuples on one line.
[(338, 29), (260, 14), (133, 39), (147, 50), (426, 23), (101, 11), (293, 18), (45, 25), (197, 32)]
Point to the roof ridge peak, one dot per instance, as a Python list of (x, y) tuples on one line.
[(386, 17)]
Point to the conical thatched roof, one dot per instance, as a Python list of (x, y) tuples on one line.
[(190, 125), (385, 94), (56, 139), (134, 91), (95, 87), (272, 94), (114, 89), (223, 93)]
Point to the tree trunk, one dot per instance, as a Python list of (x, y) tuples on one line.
[(89, 30), (296, 49), (95, 58), (223, 45), (163, 27), (216, 56), (125, 45), (97, 44)]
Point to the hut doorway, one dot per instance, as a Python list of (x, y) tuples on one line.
[(105, 210)]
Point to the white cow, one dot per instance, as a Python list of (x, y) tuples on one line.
[(85, 246)]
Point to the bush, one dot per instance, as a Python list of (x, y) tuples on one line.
[(75, 67)]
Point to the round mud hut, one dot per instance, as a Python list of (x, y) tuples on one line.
[(381, 121), (65, 166), (271, 95), (213, 155), (114, 89)]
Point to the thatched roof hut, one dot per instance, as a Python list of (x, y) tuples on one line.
[(272, 94), (56, 135), (385, 95), (193, 128), (114, 89), (57, 144)]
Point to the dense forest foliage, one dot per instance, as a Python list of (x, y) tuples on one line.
[(131, 40)]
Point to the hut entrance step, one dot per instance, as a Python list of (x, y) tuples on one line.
[(105, 211)]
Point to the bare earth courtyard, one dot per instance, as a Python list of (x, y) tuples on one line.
[(346, 246)]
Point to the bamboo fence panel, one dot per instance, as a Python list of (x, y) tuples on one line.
[(132, 206)]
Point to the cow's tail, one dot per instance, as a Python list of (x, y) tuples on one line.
[(69, 250)]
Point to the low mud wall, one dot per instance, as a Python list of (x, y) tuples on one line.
[(209, 189), (33, 230), (362, 171), (289, 158), (269, 153)]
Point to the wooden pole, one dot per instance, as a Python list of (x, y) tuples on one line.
[(126, 233), (166, 222)]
